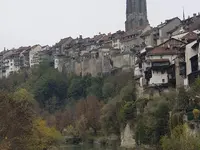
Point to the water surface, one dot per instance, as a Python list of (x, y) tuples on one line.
[(90, 147)]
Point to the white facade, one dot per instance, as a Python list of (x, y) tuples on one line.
[(116, 44), (56, 62), (158, 78), (189, 53), (33, 55), (164, 29), (138, 71), (9, 67)]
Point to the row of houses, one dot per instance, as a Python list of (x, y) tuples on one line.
[(174, 60), (165, 55), (24, 57)]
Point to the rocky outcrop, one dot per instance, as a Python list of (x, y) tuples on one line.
[(127, 140)]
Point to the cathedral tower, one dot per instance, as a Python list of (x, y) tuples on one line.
[(136, 14)]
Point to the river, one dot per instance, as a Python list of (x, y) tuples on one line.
[(90, 147)]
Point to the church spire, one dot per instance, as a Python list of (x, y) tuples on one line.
[(183, 13)]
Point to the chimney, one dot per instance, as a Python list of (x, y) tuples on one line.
[(4, 49), (194, 15), (80, 36)]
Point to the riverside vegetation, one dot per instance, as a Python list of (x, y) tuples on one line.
[(40, 106)]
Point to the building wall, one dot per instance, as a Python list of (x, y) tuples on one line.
[(138, 71), (94, 63), (128, 44), (157, 77), (77, 68), (33, 55), (116, 44), (56, 62), (189, 52), (149, 40), (163, 35), (10, 67), (86, 66), (170, 57)]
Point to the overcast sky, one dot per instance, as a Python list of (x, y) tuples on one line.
[(29, 22)]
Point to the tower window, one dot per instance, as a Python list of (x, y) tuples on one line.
[(140, 6), (141, 22)]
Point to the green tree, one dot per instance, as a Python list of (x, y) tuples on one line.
[(180, 140), (23, 95), (43, 137), (108, 90), (51, 89), (128, 98), (153, 123), (16, 119), (110, 122), (76, 89)]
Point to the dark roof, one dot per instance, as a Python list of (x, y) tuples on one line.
[(162, 51), (196, 44), (174, 29), (167, 22), (190, 36), (148, 32), (169, 40), (97, 37), (67, 40), (159, 60)]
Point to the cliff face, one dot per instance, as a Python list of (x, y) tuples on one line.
[(95, 65), (127, 140)]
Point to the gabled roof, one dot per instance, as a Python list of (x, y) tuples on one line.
[(167, 22), (67, 40), (162, 49), (170, 40), (190, 36), (159, 60), (35, 46), (148, 32)]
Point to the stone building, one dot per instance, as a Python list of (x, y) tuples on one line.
[(131, 40), (136, 14), (158, 64), (192, 60)]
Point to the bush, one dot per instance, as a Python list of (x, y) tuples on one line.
[(108, 90), (109, 119), (180, 140)]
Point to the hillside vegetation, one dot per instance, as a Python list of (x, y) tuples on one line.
[(40, 106)]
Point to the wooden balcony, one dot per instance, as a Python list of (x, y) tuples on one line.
[(193, 76)]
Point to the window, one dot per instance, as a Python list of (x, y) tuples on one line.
[(11, 64), (141, 22), (140, 6), (163, 80)]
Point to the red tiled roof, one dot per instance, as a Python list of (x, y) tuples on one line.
[(162, 51), (190, 36)]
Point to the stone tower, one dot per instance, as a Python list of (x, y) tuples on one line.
[(136, 14)]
